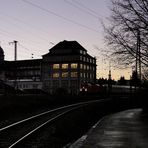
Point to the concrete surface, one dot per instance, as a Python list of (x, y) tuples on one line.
[(126, 129)]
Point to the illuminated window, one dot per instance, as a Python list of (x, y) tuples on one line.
[(87, 67), (64, 66), (56, 75), (74, 74), (64, 74), (74, 65), (84, 66), (90, 76), (56, 66), (81, 66)]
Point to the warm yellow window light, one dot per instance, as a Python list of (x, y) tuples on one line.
[(56, 75), (64, 66), (74, 74), (56, 66), (74, 65), (64, 74)]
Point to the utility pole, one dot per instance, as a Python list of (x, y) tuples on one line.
[(15, 59), (15, 49)]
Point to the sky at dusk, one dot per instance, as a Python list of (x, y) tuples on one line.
[(38, 25)]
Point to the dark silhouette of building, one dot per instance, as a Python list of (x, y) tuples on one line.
[(65, 67), (1, 54)]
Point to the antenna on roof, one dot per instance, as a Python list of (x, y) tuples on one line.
[(52, 43)]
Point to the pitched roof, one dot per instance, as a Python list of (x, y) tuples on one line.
[(66, 47)]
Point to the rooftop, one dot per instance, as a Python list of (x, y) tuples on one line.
[(66, 47)]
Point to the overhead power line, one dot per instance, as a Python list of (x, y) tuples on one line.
[(60, 16), (24, 23), (82, 5), (24, 47), (82, 8)]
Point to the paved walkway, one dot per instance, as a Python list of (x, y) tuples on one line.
[(126, 129)]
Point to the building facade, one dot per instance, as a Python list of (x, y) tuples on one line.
[(65, 67), (23, 74)]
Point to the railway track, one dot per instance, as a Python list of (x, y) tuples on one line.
[(14, 135)]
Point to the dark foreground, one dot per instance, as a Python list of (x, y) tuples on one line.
[(70, 128)]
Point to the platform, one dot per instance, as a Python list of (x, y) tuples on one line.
[(126, 129)]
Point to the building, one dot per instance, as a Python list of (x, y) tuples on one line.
[(2, 75), (24, 74), (65, 67), (21, 74), (1, 54)]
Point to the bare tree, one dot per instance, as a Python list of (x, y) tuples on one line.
[(127, 27)]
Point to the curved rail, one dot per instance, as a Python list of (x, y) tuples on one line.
[(46, 112), (58, 113)]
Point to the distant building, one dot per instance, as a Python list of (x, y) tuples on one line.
[(2, 74), (1, 54), (65, 67), (24, 74)]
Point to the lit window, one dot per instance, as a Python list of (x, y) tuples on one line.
[(56, 66), (81, 66), (74, 74), (64, 74), (84, 52), (87, 67), (56, 75), (64, 66), (90, 76), (87, 75), (74, 65)]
